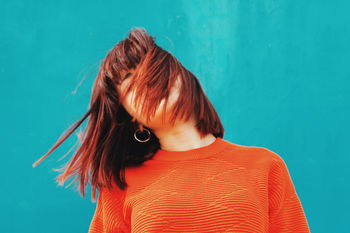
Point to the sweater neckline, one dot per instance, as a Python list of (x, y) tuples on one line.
[(201, 152)]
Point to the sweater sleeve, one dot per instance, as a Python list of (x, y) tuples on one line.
[(286, 213), (108, 216)]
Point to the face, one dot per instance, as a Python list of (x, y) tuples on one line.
[(155, 121)]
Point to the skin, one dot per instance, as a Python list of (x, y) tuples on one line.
[(180, 137)]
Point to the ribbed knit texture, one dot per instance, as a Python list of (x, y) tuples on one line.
[(221, 187)]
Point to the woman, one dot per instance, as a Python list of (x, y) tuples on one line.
[(154, 148)]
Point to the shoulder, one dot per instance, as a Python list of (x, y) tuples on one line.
[(253, 154)]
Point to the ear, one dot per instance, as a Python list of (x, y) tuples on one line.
[(141, 127), (133, 119)]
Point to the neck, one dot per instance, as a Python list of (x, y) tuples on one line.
[(182, 136)]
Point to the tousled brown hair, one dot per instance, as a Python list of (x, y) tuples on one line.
[(107, 145)]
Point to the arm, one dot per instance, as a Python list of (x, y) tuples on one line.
[(108, 216), (285, 210), (96, 224)]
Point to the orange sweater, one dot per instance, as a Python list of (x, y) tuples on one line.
[(221, 187)]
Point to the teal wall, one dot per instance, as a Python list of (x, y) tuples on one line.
[(276, 71)]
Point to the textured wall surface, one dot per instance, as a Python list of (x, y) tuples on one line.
[(277, 73)]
